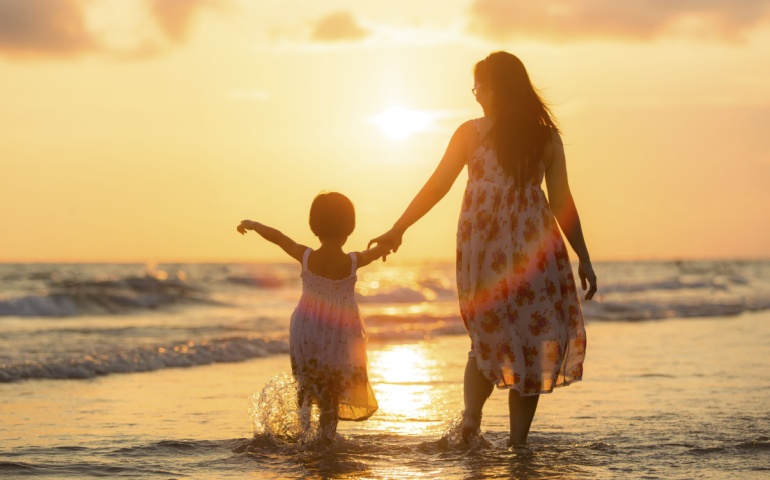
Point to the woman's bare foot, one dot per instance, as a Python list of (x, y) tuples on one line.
[(470, 426)]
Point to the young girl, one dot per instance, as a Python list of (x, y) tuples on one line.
[(327, 342)]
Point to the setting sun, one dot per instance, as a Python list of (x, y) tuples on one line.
[(398, 122)]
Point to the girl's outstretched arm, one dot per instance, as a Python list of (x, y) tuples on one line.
[(368, 256), (294, 249)]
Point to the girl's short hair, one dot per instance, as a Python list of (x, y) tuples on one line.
[(332, 215)]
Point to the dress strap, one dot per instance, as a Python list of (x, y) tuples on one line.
[(482, 137), (305, 256), (353, 264)]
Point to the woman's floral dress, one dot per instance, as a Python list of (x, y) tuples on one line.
[(518, 297), (327, 343)]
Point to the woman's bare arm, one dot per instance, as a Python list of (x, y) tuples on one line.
[(434, 189), (565, 211)]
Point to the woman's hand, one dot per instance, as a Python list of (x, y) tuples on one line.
[(587, 276), (391, 239), (245, 225)]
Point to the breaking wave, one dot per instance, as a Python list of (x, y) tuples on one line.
[(145, 359), (83, 297)]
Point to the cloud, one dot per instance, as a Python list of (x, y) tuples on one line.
[(343, 31), (175, 17), (631, 19), (64, 28), (338, 26), (44, 27)]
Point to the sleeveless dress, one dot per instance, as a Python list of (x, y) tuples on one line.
[(518, 297), (327, 343)]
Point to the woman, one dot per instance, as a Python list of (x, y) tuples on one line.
[(517, 293)]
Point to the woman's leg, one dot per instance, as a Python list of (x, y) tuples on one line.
[(521, 411), (476, 390)]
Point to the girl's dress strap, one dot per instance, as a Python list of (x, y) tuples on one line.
[(305, 256), (353, 264)]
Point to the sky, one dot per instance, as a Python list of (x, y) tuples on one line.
[(145, 130)]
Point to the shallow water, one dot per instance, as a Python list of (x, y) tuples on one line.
[(666, 399), (136, 371)]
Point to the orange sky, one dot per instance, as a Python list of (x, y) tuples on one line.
[(145, 131)]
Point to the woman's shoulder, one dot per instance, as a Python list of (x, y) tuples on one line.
[(466, 128), (476, 125), (472, 131), (553, 143)]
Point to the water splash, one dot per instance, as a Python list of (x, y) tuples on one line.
[(274, 410), (453, 437), (277, 418)]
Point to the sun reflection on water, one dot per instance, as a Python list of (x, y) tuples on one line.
[(401, 379)]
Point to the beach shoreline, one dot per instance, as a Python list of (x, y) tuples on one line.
[(676, 396)]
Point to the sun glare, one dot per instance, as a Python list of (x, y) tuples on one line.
[(401, 379), (398, 122)]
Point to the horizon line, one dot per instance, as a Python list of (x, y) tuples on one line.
[(409, 259)]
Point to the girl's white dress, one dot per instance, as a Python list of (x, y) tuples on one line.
[(327, 343)]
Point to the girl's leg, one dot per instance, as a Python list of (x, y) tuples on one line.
[(521, 411), (476, 390), (304, 405), (328, 415)]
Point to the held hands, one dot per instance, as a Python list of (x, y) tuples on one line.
[(245, 225), (587, 275), (391, 239)]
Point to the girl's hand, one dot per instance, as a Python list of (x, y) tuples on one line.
[(245, 225), (391, 239), (587, 275)]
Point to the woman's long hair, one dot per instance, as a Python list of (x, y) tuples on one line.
[(523, 123)]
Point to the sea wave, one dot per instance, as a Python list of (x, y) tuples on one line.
[(397, 295), (659, 309), (391, 328), (265, 281), (627, 292), (92, 362), (145, 359), (425, 291), (82, 297), (680, 283)]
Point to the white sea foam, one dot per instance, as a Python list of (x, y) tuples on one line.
[(143, 359)]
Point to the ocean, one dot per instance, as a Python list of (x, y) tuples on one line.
[(160, 371)]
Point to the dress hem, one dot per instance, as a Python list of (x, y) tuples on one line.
[(542, 392)]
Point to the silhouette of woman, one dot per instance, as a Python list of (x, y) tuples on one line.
[(518, 297)]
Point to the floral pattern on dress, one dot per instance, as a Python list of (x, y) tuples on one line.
[(517, 292), (327, 345)]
